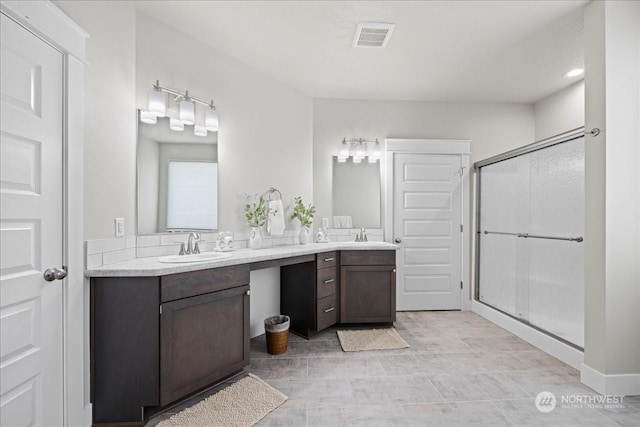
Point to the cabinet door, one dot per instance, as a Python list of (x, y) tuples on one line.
[(367, 294), (202, 340)]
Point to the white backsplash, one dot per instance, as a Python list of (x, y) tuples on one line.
[(103, 252)]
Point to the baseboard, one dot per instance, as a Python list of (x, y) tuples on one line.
[(608, 385), (564, 352)]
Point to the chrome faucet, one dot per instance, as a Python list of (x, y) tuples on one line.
[(192, 244), (362, 237)]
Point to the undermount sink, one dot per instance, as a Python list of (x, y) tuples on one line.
[(203, 257)]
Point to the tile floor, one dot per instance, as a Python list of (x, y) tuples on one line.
[(461, 370)]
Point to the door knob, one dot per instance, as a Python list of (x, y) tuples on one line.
[(398, 240), (54, 273)]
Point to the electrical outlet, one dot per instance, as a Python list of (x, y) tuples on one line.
[(325, 223), (119, 227)]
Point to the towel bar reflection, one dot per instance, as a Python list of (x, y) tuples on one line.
[(534, 236)]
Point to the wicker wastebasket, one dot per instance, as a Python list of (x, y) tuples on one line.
[(277, 330)]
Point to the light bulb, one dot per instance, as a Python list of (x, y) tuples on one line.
[(211, 119), (158, 102), (148, 117), (187, 112), (175, 124), (342, 159)]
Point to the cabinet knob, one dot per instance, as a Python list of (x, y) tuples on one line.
[(398, 240)]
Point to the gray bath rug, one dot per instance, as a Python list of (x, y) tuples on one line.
[(371, 339), (243, 403)]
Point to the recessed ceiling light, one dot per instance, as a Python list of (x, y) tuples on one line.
[(574, 73)]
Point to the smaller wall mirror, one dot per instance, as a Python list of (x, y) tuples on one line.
[(177, 179), (356, 193)]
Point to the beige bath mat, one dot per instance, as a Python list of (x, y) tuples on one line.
[(243, 403), (371, 339)]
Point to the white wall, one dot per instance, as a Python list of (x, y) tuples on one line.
[(110, 118), (560, 112), (492, 129), (612, 324), (265, 137)]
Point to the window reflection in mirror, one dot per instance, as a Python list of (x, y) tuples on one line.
[(357, 192), (183, 196)]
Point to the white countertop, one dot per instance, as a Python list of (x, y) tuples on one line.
[(152, 267)]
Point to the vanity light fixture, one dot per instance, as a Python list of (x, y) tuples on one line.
[(358, 149), (148, 117), (187, 110), (375, 152), (343, 153), (211, 118), (157, 100)]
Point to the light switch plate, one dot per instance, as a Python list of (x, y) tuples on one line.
[(119, 222), (325, 223)]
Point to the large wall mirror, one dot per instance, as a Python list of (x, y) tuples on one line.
[(357, 193), (177, 179)]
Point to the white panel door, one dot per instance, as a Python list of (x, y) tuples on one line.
[(427, 218), (30, 229)]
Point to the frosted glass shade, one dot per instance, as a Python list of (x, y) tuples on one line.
[(361, 152), (344, 151), (158, 103), (175, 124), (148, 117), (375, 153), (187, 112), (199, 130), (211, 120)]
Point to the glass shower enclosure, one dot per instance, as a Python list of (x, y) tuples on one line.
[(530, 233)]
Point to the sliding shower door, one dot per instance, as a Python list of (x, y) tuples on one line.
[(531, 226)]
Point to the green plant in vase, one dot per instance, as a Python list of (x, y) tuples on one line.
[(304, 214), (256, 213)]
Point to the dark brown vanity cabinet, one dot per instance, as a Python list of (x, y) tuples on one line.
[(202, 339), (155, 340), (368, 286), (309, 294)]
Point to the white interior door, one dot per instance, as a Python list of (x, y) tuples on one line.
[(427, 218), (30, 229)]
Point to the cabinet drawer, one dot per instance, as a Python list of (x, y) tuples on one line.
[(327, 259), (327, 282), (184, 285), (374, 257), (327, 312)]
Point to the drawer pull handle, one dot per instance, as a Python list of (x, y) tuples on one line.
[(329, 280), (328, 259), (328, 310)]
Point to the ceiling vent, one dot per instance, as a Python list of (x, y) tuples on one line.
[(373, 34)]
